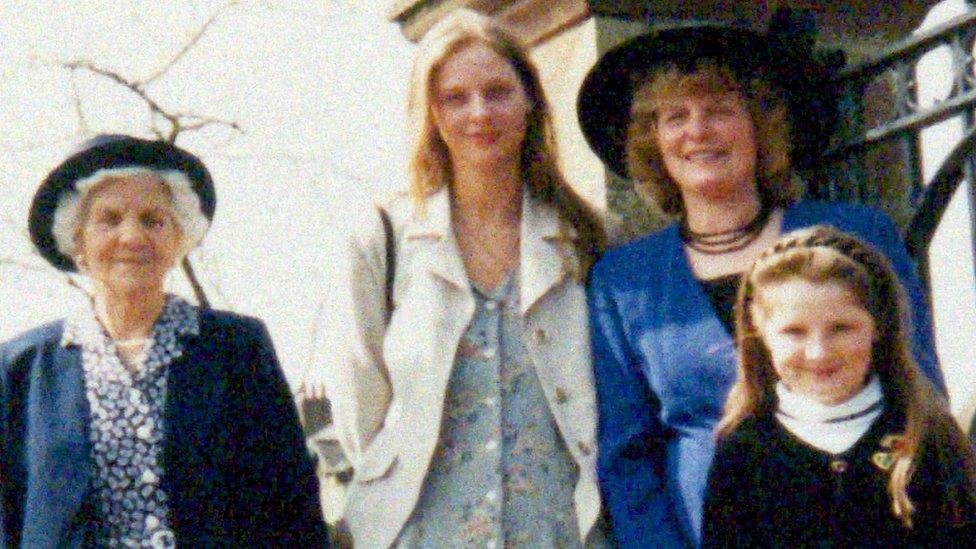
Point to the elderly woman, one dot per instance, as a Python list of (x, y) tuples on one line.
[(141, 420), (696, 116), (468, 409)]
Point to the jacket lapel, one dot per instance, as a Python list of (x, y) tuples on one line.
[(545, 256), (60, 469), (437, 249), (194, 393)]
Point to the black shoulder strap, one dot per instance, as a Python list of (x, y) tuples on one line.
[(390, 258)]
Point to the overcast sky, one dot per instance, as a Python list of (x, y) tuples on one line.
[(317, 86)]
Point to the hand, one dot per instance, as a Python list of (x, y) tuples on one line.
[(311, 390)]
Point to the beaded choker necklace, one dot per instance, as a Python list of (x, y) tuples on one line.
[(723, 242)]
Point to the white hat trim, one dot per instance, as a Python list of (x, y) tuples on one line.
[(186, 207)]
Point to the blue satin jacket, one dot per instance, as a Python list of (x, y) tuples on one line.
[(664, 364), (236, 469)]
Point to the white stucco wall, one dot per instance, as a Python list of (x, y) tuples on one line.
[(951, 252), (563, 62)]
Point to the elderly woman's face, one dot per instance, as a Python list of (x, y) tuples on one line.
[(708, 144), (129, 238)]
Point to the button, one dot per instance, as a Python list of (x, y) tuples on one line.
[(490, 352), (144, 432), (491, 402), (148, 477), (491, 305), (162, 539), (491, 445), (584, 448), (561, 395), (491, 496), (838, 466)]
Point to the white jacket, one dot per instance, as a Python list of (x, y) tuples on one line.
[(387, 385)]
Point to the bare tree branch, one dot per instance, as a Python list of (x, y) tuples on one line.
[(208, 259), (40, 265), (200, 122), (26, 265), (79, 108), (195, 283), (46, 269), (132, 85), (177, 122), (190, 44), (332, 8), (166, 125)]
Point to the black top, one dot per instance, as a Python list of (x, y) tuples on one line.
[(767, 488), (721, 293)]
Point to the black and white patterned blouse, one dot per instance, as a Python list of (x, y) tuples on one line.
[(126, 425)]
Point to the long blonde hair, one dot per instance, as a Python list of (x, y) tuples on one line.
[(430, 164), (823, 254)]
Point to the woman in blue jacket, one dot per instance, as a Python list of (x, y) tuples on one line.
[(140, 420), (698, 119)]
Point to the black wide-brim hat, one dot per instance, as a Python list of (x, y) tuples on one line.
[(109, 152), (605, 98)]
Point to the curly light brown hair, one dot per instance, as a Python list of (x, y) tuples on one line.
[(767, 109)]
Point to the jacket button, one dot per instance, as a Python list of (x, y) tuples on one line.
[(561, 395), (838, 466), (584, 448)]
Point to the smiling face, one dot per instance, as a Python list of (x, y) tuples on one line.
[(480, 107), (128, 238), (819, 337), (708, 144)]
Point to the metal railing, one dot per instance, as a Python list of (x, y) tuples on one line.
[(847, 174)]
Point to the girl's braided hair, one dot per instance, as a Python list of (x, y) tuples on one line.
[(824, 254)]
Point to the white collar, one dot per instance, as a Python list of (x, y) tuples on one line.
[(834, 429), (546, 254), (807, 409)]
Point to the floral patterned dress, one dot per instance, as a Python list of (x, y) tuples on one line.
[(126, 427), (501, 475)]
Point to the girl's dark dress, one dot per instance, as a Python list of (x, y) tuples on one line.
[(768, 488)]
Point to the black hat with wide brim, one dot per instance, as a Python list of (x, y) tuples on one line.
[(605, 98), (110, 152)]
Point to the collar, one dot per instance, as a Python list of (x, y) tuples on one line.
[(802, 408), (538, 219), (178, 318), (833, 429), (546, 254)]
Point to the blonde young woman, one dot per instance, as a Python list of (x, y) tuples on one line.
[(831, 435), (141, 420), (468, 410), (698, 117)]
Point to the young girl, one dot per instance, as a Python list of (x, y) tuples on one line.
[(831, 437)]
